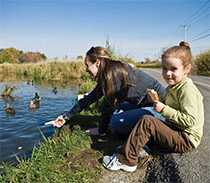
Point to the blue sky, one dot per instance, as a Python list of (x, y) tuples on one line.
[(137, 28)]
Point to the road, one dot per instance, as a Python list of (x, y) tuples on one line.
[(189, 167)]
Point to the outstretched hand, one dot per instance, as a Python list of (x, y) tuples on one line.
[(59, 122)]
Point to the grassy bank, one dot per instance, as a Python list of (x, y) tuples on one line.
[(65, 158), (49, 71)]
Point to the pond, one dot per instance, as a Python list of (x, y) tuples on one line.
[(21, 132)]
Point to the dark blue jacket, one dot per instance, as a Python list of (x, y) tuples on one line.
[(141, 81)]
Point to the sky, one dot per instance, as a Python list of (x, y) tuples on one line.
[(135, 28)]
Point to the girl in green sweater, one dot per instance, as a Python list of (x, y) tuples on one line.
[(180, 127)]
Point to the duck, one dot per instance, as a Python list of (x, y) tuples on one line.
[(30, 82), (55, 90), (8, 91), (9, 109), (35, 102)]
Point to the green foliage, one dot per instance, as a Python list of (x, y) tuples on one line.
[(85, 76), (52, 162), (86, 86), (12, 55), (202, 63), (97, 107)]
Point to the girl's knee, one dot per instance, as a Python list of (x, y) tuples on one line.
[(147, 120)]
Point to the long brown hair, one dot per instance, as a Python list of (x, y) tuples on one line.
[(97, 52), (109, 74), (115, 80)]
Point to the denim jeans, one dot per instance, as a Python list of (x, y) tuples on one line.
[(123, 122)]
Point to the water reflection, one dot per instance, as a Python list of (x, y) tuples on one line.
[(19, 133)]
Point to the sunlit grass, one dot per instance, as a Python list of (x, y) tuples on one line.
[(57, 160), (49, 71)]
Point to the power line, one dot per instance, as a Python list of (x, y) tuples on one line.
[(201, 13), (198, 35), (195, 15), (199, 18), (201, 37)]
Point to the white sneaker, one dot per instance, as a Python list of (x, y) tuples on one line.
[(112, 163), (143, 154)]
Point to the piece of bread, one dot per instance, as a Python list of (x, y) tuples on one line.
[(153, 95)]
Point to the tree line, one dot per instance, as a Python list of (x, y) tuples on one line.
[(13, 55)]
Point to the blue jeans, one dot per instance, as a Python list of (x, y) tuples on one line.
[(123, 122)]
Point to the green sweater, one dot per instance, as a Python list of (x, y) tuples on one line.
[(184, 107)]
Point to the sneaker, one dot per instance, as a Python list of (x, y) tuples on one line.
[(143, 154), (112, 163)]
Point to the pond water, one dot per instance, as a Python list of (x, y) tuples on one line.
[(21, 132)]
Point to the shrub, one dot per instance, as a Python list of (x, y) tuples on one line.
[(202, 63), (10, 55), (13, 55), (32, 57)]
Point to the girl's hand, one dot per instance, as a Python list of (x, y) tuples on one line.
[(152, 95), (158, 106), (59, 122)]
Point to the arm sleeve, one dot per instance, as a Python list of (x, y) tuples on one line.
[(187, 115), (95, 94)]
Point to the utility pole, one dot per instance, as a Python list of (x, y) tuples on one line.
[(185, 27)]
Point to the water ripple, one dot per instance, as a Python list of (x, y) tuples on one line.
[(20, 133)]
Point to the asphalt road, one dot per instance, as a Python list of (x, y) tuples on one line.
[(190, 167)]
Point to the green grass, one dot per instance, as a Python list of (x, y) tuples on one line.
[(86, 86), (57, 160)]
